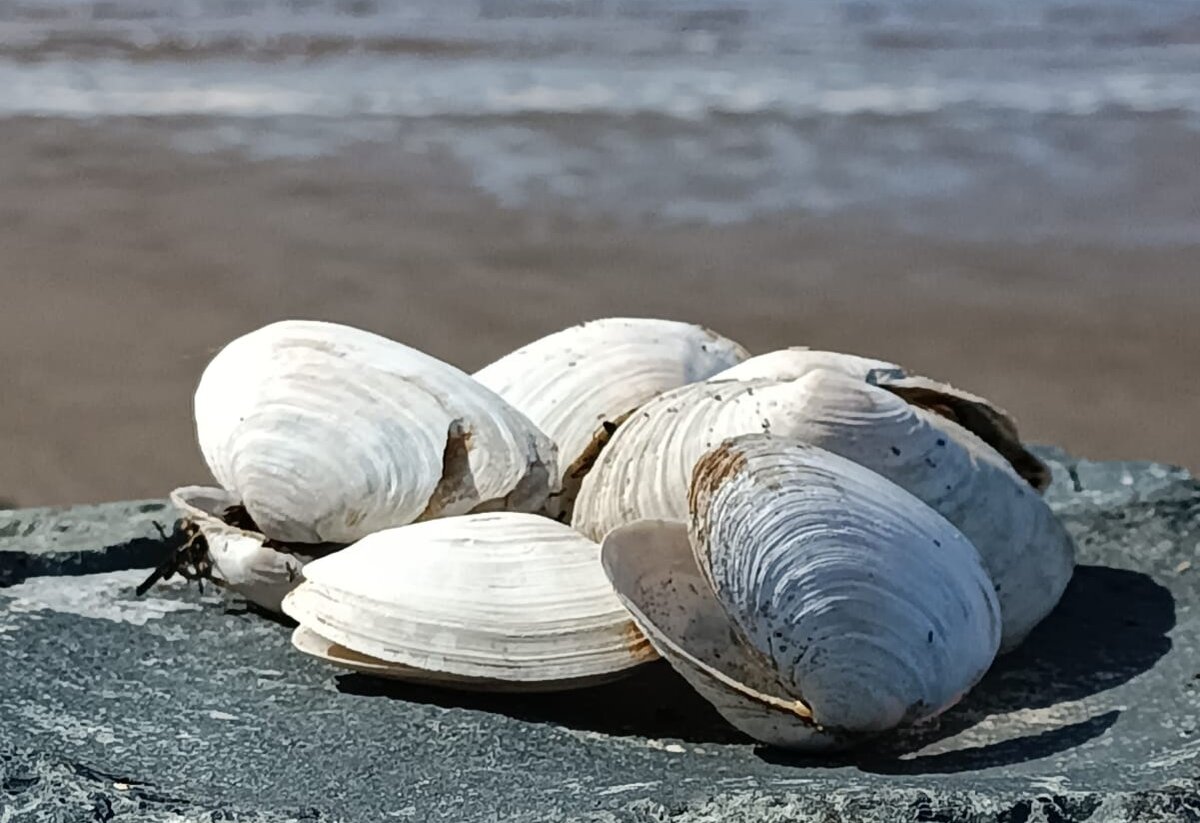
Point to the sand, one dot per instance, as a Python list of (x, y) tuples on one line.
[(125, 263)]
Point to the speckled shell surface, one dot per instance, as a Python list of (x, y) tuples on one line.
[(645, 471), (974, 413), (813, 601)]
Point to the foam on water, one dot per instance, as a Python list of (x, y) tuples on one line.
[(993, 119), (414, 87)]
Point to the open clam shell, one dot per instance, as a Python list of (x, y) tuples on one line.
[(243, 561), (977, 415), (503, 601), (327, 433), (645, 471), (578, 384), (814, 602), (651, 565)]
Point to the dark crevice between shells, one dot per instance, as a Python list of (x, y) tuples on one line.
[(531, 489), (456, 483), (563, 501)]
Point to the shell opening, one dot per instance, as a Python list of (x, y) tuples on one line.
[(561, 505), (653, 570), (984, 422)]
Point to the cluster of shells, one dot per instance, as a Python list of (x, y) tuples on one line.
[(824, 545)]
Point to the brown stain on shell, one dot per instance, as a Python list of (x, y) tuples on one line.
[(456, 482), (591, 453), (636, 642), (564, 499), (716, 467), (989, 425)]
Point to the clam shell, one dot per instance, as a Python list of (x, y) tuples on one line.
[(504, 601), (975, 414), (798, 361), (327, 433), (577, 384), (243, 561), (849, 607), (645, 471), (653, 569)]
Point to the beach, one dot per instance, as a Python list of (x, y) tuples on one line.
[(128, 264), (163, 192)]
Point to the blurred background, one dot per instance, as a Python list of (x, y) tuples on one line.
[(1002, 194)]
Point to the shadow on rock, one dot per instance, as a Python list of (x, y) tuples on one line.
[(245, 607), (1004, 753), (652, 702), (1110, 626)]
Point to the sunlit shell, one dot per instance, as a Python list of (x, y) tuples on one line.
[(815, 601), (645, 471), (243, 561), (578, 384), (327, 433), (796, 362), (977, 415), (503, 601)]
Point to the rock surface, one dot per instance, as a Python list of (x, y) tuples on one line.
[(181, 706), (83, 539)]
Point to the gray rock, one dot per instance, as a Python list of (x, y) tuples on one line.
[(82, 539), (183, 706), (1112, 483)]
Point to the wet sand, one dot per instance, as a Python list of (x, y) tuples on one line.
[(124, 264)]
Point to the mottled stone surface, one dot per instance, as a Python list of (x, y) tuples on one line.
[(82, 539), (182, 706)]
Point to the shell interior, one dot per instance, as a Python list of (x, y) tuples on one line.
[(653, 569)]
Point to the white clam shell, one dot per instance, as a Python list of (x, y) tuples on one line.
[(579, 383), (976, 414), (849, 606), (796, 362), (242, 561), (503, 600), (645, 471), (327, 433), (653, 569)]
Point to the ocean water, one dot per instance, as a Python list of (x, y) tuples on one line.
[(1007, 119)]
